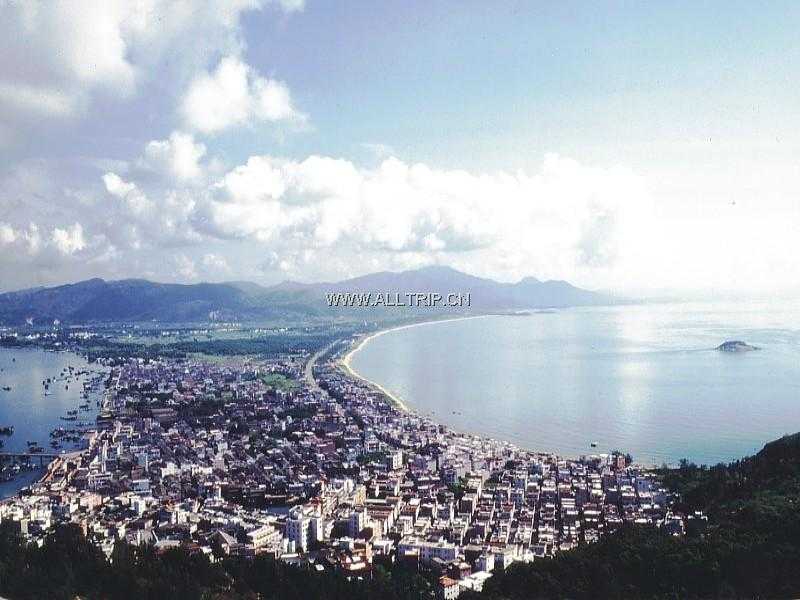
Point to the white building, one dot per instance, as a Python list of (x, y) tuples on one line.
[(357, 521), (426, 550)]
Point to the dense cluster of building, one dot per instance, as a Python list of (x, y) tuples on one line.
[(242, 457)]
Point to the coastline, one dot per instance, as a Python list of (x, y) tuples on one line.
[(345, 363), (358, 345)]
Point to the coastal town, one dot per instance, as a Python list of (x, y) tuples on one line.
[(296, 457)]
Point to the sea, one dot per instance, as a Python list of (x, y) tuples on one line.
[(34, 413), (644, 379)]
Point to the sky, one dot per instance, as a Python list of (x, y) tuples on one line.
[(646, 149)]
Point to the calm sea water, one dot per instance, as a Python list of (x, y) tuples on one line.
[(32, 413), (643, 379)]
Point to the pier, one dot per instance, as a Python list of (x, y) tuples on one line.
[(44, 457)]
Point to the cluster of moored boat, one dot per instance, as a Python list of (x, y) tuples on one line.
[(59, 436), (67, 374), (5, 431), (10, 471), (34, 447)]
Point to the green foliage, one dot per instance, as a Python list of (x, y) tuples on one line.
[(68, 566), (280, 382), (262, 346)]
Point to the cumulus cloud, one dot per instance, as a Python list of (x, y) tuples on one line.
[(596, 245), (233, 95), (59, 56), (177, 157), (32, 239), (68, 216), (215, 264), (7, 234), (140, 220), (128, 192), (325, 217), (185, 267), (401, 207), (45, 247), (54, 52), (69, 240)]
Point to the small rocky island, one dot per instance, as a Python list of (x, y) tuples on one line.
[(736, 346)]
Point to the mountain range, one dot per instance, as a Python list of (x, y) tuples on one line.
[(138, 300)]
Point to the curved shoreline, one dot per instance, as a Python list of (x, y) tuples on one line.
[(344, 362), (398, 402)]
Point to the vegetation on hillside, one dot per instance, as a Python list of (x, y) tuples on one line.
[(68, 566)]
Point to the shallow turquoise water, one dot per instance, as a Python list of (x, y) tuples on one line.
[(644, 379)]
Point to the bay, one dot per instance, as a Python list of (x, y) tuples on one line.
[(644, 379), (31, 412)]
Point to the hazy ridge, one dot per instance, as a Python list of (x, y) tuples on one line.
[(98, 300)]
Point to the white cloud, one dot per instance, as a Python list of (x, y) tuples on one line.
[(32, 239), (46, 249), (117, 186), (234, 95), (185, 267), (7, 234), (273, 101), (565, 219), (141, 220), (55, 53), (69, 240), (325, 218), (58, 55), (178, 157), (215, 263), (128, 192)]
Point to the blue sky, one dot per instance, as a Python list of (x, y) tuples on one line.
[(618, 145), (476, 85)]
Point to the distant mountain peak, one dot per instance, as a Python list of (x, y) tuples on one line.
[(528, 281), (435, 269), (142, 300)]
